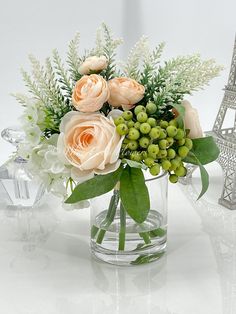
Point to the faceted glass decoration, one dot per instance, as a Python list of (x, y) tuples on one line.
[(17, 186)]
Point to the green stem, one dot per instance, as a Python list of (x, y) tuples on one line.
[(122, 228), (94, 231), (101, 235), (145, 236), (109, 217)]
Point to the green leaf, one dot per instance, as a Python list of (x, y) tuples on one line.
[(205, 180), (135, 164), (157, 233), (204, 176), (96, 186), (204, 149), (144, 259), (134, 194), (181, 111)]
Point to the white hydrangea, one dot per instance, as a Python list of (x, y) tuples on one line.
[(30, 120), (44, 163)]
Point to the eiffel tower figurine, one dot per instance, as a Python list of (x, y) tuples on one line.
[(226, 139)]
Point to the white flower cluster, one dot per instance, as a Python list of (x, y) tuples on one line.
[(44, 163), (42, 156), (32, 116)]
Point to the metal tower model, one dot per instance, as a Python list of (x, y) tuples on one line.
[(226, 138)]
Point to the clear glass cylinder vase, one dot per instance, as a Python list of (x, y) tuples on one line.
[(117, 239)]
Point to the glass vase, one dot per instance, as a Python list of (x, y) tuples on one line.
[(117, 239)]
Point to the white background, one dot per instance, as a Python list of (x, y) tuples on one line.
[(187, 26)]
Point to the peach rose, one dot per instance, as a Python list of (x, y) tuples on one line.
[(93, 64), (90, 93), (191, 120), (89, 143), (125, 92)]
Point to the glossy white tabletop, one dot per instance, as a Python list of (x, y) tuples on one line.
[(197, 275)]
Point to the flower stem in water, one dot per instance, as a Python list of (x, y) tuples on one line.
[(145, 236), (109, 217), (122, 228)]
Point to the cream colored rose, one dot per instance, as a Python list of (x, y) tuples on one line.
[(90, 93), (191, 120), (90, 143), (93, 64), (125, 92)]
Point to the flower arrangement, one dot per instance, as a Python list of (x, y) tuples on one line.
[(94, 125)]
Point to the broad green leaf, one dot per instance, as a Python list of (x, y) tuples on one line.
[(157, 233), (135, 164), (181, 111), (204, 149), (205, 180), (96, 186), (204, 175), (134, 194)]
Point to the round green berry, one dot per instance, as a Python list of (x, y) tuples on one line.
[(181, 142), (144, 154), (144, 142), (130, 124), (149, 161), (189, 143), (151, 108), (152, 122), (142, 117), (171, 153), (171, 131), (175, 163), (170, 141), (139, 109), (183, 151), (154, 133), (132, 145), (162, 153), (177, 157), (135, 156), (153, 150), (133, 134), (180, 134), (163, 144), (127, 115), (145, 128), (137, 125), (122, 129), (163, 134), (173, 123), (181, 171), (119, 120), (173, 178), (164, 124), (155, 170), (166, 164)]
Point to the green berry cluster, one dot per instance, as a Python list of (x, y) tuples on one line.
[(158, 144)]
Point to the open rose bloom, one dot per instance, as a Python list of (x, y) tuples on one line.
[(89, 143)]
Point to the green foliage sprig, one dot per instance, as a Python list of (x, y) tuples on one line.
[(106, 46)]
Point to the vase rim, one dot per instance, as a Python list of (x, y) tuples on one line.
[(161, 175)]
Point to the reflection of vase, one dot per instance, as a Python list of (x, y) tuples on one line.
[(117, 239), (33, 228), (220, 225), (18, 187)]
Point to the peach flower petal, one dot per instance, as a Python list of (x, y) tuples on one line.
[(89, 143)]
